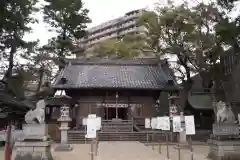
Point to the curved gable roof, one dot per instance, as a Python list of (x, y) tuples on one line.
[(136, 74)]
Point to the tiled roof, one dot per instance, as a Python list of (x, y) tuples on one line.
[(138, 74)]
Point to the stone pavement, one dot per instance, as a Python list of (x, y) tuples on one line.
[(1, 153), (200, 152), (127, 151), (111, 151), (80, 151)]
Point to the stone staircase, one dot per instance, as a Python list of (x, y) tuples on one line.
[(125, 130), (117, 126), (114, 130), (79, 136)]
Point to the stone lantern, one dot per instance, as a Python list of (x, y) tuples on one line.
[(174, 109), (64, 120)]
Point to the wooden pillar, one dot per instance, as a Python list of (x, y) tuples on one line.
[(129, 114), (100, 108), (106, 106)]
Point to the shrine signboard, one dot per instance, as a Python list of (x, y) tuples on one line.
[(93, 124), (190, 125), (176, 124), (154, 123), (166, 123), (147, 123)]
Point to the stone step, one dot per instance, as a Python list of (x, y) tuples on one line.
[(77, 137), (116, 126)]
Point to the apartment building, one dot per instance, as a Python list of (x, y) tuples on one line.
[(115, 28)]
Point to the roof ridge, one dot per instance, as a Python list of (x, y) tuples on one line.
[(98, 61)]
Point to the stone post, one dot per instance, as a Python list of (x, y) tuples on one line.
[(182, 134), (64, 119)]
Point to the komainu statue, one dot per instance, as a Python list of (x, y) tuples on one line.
[(37, 115), (224, 113)]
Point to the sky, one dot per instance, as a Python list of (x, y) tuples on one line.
[(99, 11)]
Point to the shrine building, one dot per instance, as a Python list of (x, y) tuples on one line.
[(115, 89)]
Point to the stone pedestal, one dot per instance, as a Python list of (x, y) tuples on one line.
[(35, 132), (64, 146), (224, 142), (224, 150), (32, 151), (35, 145), (64, 120)]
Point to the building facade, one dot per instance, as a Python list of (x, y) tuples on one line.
[(115, 28), (115, 89)]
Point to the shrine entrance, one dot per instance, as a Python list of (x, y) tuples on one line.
[(116, 111), (110, 113)]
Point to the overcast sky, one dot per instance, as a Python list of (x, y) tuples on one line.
[(100, 11)]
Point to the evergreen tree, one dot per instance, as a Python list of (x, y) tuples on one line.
[(15, 17), (69, 20)]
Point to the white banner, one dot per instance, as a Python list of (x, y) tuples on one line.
[(176, 124), (238, 118), (99, 122), (166, 123), (190, 125), (93, 124), (91, 128), (147, 123), (154, 122), (160, 124), (84, 121)]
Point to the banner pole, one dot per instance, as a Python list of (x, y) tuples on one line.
[(191, 147), (160, 147), (167, 146), (179, 152), (92, 156), (153, 138)]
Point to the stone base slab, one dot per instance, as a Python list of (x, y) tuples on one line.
[(224, 150), (32, 151), (63, 147)]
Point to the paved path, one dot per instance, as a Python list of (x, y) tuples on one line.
[(111, 151), (200, 152), (1, 153), (79, 152), (127, 151)]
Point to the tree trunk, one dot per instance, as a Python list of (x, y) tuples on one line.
[(61, 53), (61, 59), (187, 86), (41, 73), (8, 74)]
